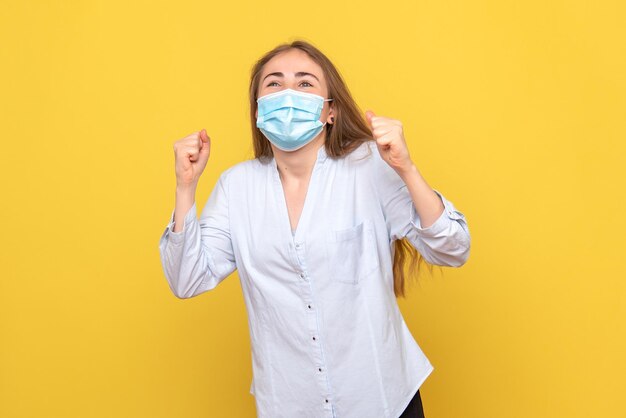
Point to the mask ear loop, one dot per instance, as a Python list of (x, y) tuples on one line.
[(333, 118)]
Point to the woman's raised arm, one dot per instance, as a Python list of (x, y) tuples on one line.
[(196, 254)]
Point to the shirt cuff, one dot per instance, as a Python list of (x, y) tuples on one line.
[(178, 237), (449, 213)]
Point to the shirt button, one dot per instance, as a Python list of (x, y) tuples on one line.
[(326, 400), (298, 245), (309, 306), (320, 369), (313, 338)]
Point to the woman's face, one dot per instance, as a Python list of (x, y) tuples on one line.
[(294, 69)]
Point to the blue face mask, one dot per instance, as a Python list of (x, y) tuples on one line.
[(290, 118)]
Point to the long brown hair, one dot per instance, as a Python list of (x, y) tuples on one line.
[(347, 133)]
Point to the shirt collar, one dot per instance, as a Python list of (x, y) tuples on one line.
[(321, 154), (321, 157)]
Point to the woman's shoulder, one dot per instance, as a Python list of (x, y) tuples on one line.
[(355, 152), (243, 169), (366, 154), (374, 166)]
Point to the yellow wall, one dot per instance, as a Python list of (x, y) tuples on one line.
[(515, 110)]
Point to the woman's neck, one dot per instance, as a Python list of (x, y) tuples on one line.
[(298, 165)]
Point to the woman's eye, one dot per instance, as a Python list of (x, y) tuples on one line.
[(275, 83)]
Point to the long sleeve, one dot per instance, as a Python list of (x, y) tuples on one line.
[(200, 256), (446, 242)]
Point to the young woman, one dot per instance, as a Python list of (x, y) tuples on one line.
[(319, 226)]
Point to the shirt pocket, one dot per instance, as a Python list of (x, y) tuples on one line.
[(351, 253)]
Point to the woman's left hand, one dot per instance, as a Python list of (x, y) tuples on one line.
[(390, 141)]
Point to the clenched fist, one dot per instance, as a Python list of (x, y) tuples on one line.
[(390, 140), (191, 154)]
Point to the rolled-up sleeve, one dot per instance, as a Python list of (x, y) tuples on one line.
[(446, 242), (199, 256)]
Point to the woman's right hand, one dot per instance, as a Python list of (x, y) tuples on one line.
[(191, 154)]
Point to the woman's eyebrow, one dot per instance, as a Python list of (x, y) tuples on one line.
[(298, 74)]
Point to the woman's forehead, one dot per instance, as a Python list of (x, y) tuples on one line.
[(291, 62)]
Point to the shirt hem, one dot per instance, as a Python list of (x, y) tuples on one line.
[(406, 402)]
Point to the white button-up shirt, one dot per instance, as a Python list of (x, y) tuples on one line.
[(327, 336)]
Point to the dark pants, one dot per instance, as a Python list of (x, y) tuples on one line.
[(414, 408)]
